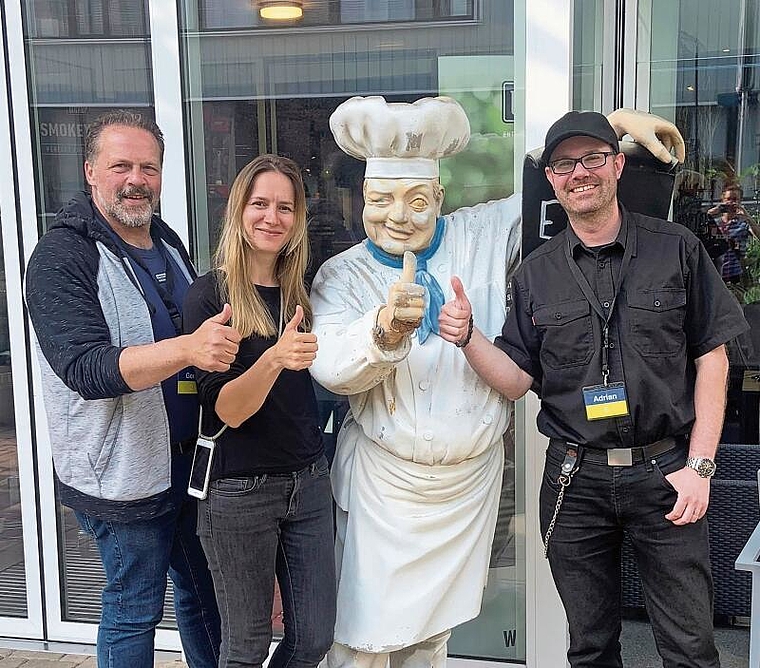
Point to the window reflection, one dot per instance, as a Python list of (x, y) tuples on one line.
[(12, 575), (60, 134), (706, 76), (213, 14), (588, 19), (702, 63), (86, 18)]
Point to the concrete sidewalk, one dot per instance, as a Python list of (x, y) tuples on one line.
[(23, 658)]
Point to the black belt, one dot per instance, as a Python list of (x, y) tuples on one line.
[(621, 456), (184, 447)]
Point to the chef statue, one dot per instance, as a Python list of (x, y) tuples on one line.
[(418, 467)]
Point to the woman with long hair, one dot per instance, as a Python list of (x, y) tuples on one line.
[(268, 513)]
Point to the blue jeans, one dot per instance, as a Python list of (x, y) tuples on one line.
[(255, 529), (584, 555), (136, 557)]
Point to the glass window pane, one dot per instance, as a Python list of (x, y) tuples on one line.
[(241, 14), (588, 25), (73, 80), (702, 64), (86, 18), (60, 135), (252, 92), (83, 575), (12, 575)]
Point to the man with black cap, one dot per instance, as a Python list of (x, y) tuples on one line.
[(619, 324)]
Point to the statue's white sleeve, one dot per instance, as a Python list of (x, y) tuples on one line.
[(345, 307)]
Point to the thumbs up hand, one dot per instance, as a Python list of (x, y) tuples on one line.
[(295, 350), (403, 312), (454, 320), (409, 268), (214, 345), (295, 321)]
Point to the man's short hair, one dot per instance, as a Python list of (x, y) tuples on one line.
[(124, 118)]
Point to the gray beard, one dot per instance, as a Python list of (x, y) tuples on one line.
[(130, 217)]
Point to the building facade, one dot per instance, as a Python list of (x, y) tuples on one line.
[(226, 84)]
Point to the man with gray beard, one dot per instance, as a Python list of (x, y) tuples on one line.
[(104, 288)]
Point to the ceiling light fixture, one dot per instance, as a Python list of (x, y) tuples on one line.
[(280, 10)]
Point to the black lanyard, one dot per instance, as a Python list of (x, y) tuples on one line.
[(165, 292), (593, 300)]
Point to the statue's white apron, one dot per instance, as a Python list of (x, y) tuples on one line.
[(416, 541)]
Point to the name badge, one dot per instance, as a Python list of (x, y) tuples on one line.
[(605, 401), (186, 382)]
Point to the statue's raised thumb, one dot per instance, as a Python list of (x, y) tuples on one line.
[(410, 267)]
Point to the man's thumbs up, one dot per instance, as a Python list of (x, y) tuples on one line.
[(410, 267), (215, 343), (460, 298), (292, 326), (454, 319)]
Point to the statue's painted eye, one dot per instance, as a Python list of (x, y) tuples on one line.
[(419, 204)]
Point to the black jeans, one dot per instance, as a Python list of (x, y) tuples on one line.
[(584, 555), (253, 529)]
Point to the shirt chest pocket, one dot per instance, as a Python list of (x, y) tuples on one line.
[(566, 332), (657, 320)]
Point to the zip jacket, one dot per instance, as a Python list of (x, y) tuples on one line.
[(111, 445)]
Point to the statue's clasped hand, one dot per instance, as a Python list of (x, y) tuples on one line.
[(656, 134)]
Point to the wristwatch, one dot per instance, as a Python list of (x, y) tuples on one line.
[(704, 466)]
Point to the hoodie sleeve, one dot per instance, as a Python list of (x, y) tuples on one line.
[(62, 298)]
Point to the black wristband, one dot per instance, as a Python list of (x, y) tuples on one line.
[(468, 336)]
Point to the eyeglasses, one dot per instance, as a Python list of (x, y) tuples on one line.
[(589, 161)]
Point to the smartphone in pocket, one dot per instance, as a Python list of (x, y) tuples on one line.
[(201, 469)]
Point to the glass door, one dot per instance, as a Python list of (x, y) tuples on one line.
[(82, 58), (20, 596), (252, 86)]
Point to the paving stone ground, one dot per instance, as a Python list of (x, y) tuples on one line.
[(18, 658)]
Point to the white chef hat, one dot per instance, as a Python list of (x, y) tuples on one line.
[(397, 139)]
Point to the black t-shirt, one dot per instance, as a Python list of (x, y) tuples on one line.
[(283, 435), (672, 307)]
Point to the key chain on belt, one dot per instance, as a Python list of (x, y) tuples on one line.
[(570, 464)]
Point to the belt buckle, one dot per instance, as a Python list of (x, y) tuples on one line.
[(620, 457)]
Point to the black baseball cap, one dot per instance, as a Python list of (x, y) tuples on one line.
[(579, 123)]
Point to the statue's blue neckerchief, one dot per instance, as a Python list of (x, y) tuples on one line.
[(422, 277)]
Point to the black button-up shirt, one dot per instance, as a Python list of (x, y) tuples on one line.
[(672, 307)]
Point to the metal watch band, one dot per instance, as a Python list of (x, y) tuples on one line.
[(704, 466)]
